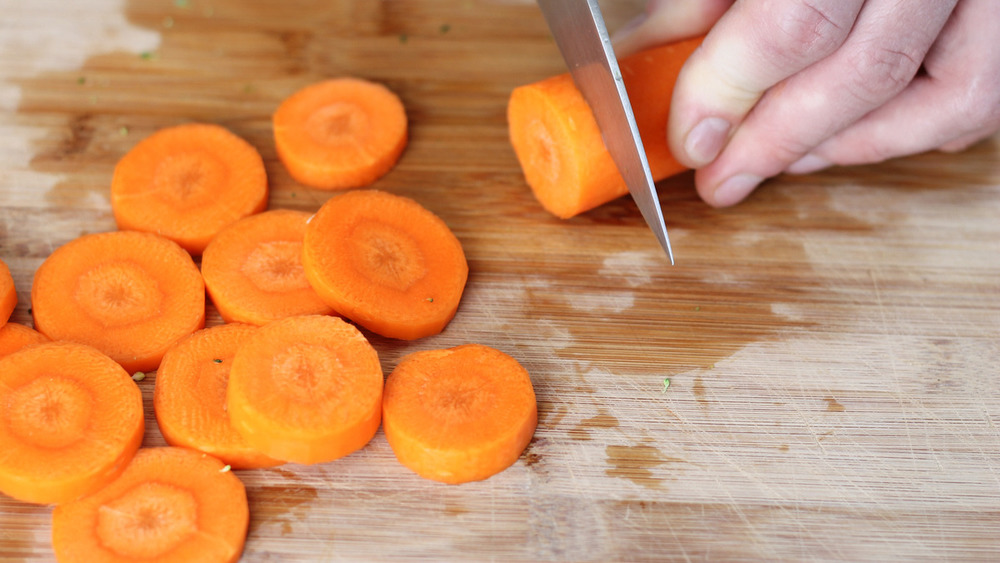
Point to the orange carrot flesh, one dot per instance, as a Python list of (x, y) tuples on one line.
[(306, 389), (128, 294), (71, 420), (169, 505), (340, 133), (253, 269), (386, 263), (14, 336), (188, 182), (8, 294), (559, 145), (458, 415), (190, 396)]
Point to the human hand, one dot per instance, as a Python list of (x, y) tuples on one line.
[(799, 85)]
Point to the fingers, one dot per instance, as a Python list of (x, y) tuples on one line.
[(956, 103), (666, 21), (754, 46), (877, 61)]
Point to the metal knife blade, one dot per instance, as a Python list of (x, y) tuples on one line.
[(582, 37)]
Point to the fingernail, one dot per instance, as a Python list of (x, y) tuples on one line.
[(808, 163), (735, 189), (706, 140)]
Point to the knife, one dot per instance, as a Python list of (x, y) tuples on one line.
[(582, 37)]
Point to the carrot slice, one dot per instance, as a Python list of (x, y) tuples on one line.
[(128, 294), (306, 389), (8, 293), (71, 420), (558, 142), (385, 262), (14, 336), (253, 269), (458, 415), (190, 396), (188, 182), (340, 133), (169, 505)]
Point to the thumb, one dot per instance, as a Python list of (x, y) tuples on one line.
[(666, 21)]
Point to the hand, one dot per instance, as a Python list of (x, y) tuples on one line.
[(799, 85)]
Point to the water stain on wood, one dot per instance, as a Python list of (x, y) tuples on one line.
[(833, 406), (601, 421), (636, 463), (271, 504), (699, 391)]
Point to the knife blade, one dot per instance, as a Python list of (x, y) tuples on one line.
[(582, 37)]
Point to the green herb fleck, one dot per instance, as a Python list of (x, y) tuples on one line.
[(403, 37), (445, 28), (247, 88), (430, 299), (138, 376), (293, 194), (698, 308), (81, 80), (225, 469), (666, 384), (168, 22), (182, 3), (146, 55), (123, 131), (217, 360)]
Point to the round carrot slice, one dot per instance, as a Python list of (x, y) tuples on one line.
[(14, 336), (340, 133), (458, 415), (128, 294), (188, 182), (169, 505), (8, 294), (386, 263), (190, 396), (71, 420), (253, 269), (306, 389)]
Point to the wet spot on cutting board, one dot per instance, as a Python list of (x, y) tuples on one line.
[(282, 505), (602, 420), (699, 392), (636, 463), (833, 406)]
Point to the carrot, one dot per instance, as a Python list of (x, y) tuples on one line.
[(340, 133), (169, 505), (71, 420), (187, 182), (559, 145), (458, 415), (386, 263), (189, 397), (128, 294), (8, 293), (14, 336), (253, 269), (306, 389)]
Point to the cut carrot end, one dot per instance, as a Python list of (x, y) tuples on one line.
[(128, 294), (559, 145), (188, 182), (253, 269), (458, 415), (340, 133), (386, 263), (8, 294), (306, 389), (170, 504), (14, 336), (72, 419), (190, 396)]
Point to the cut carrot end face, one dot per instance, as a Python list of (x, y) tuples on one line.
[(340, 133), (253, 269), (188, 182), (386, 263), (190, 396), (14, 336), (306, 389), (559, 145), (458, 415), (170, 504), (128, 294), (72, 419), (8, 294)]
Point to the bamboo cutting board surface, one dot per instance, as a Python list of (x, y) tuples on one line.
[(833, 344)]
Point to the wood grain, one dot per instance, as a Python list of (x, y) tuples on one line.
[(833, 344)]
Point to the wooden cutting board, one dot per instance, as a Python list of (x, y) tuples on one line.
[(832, 344)]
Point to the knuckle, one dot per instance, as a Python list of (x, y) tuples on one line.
[(808, 32), (880, 72)]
